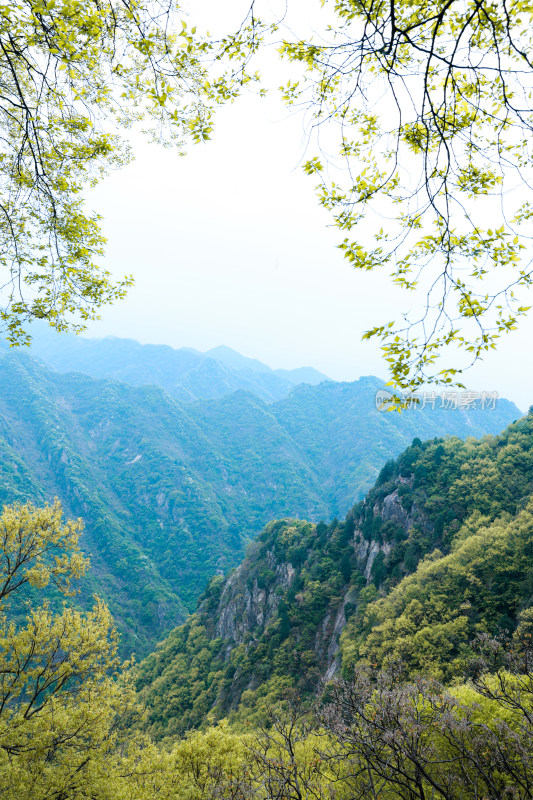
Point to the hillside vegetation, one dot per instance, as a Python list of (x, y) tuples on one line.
[(170, 494), (440, 551), (70, 720), (71, 724)]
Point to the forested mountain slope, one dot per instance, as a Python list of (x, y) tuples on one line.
[(185, 373), (441, 549), (170, 493)]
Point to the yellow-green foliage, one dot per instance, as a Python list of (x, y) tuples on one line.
[(67, 709), (69, 714), (75, 73), (430, 106), (204, 763), (195, 673), (395, 739), (430, 617), (62, 696), (487, 710), (379, 738), (447, 501), (37, 548)]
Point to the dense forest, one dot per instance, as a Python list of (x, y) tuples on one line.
[(171, 493), (387, 656), (327, 601), (439, 552)]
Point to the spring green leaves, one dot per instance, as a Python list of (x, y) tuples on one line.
[(74, 76), (430, 108)]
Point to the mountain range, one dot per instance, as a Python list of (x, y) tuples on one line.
[(184, 373), (171, 492)]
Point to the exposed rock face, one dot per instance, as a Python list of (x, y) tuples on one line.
[(333, 660), (247, 606), (389, 509), (274, 625), (276, 620), (244, 611), (393, 511), (368, 552)]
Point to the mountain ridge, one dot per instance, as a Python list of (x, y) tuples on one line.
[(171, 492), (185, 373), (439, 551)]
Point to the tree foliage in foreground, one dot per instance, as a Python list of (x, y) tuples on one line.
[(379, 736), (68, 714), (62, 701), (428, 114), (424, 114), (416, 740), (74, 74)]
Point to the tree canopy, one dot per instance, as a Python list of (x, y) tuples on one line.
[(67, 707), (74, 75), (423, 116), (58, 698)]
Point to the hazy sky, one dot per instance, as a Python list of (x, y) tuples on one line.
[(228, 245)]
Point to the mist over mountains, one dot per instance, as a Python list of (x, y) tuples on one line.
[(184, 373), (171, 492)]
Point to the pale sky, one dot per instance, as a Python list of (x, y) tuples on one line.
[(228, 245)]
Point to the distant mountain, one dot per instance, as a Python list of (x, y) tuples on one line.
[(235, 360), (184, 373), (302, 375), (294, 376), (170, 493)]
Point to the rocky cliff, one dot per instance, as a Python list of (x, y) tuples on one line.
[(300, 605)]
